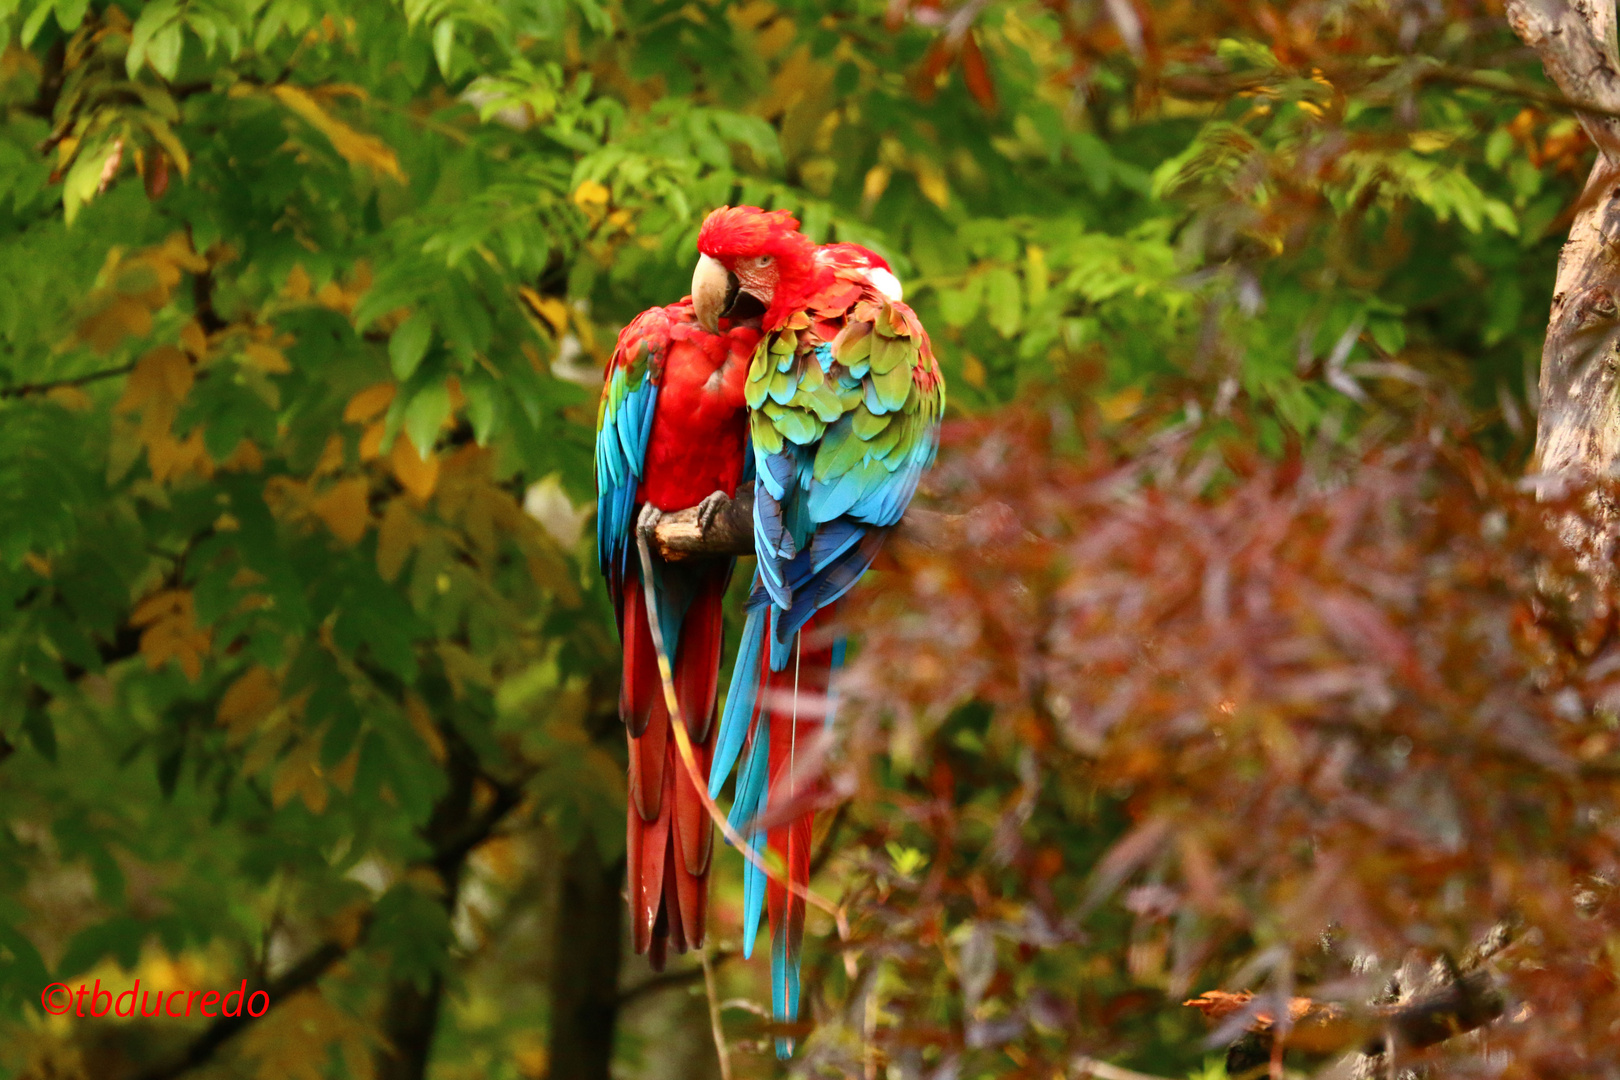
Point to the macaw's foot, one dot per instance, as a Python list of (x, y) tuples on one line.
[(710, 508), (647, 523)]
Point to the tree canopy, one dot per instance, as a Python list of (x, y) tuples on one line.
[(1252, 666)]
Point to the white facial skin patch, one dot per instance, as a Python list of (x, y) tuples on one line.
[(885, 283)]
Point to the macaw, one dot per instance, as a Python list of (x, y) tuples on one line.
[(671, 433), (844, 398)]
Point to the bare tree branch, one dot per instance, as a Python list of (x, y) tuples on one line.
[(1576, 42), (1577, 429), (25, 389)]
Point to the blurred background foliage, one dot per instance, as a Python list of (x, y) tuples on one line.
[(307, 677)]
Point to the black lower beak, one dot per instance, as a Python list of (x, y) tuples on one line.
[(743, 308), (733, 290)]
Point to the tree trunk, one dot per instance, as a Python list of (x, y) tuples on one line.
[(1578, 427), (410, 1015), (585, 965), (411, 1018)]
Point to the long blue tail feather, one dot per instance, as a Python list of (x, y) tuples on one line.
[(740, 699), (750, 800), (785, 957)]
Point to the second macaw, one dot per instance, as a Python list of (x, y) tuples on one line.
[(671, 433), (844, 399)]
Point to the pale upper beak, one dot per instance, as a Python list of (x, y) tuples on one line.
[(714, 290)]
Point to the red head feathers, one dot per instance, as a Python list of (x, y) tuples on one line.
[(755, 263)]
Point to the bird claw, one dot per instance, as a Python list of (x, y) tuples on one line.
[(647, 523), (710, 508)]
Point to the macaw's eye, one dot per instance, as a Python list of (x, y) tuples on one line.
[(763, 261)]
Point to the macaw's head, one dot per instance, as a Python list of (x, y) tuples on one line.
[(754, 267)]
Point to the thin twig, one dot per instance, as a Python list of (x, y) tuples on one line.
[(669, 980), (711, 989), (56, 384)]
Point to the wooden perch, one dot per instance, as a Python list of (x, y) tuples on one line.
[(731, 532), (1470, 1002)]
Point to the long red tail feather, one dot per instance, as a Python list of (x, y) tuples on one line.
[(795, 703), (669, 838)]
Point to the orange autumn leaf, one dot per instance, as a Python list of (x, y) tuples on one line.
[(417, 475), (397, 535), (171, 632), (247, 701), (267, 358), (369, 403), (343, 507), (356, 147)]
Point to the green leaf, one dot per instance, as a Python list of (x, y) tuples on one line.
[(444, 44), (41, 732), (425, 415), (36, 22), (155, 19), (408, 344), (70, 13), (1003, 301)]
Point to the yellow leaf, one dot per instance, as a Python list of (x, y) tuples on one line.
[(369, 403), (159, 605), (70, 397), (931, 181), (171, 632), (245, 458), (247, 702), (355, 146), (973, 371), (371, 441), (1117, 407), (416, 475), (194, 340), (549, 308), (121, 317), (343, 507), (876, 183), (267, 358), (1425, 142), (161, 380), (170, 459), (298, 284), (422, 721), (342, 777), (397, 535), (592, 197), (331, 459), (297, 775)]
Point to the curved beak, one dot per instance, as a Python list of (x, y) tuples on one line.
[(714, 290)]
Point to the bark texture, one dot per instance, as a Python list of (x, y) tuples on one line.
[(1578, 427)]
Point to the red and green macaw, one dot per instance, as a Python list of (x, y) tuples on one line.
[(671, 433), (844, 398)]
